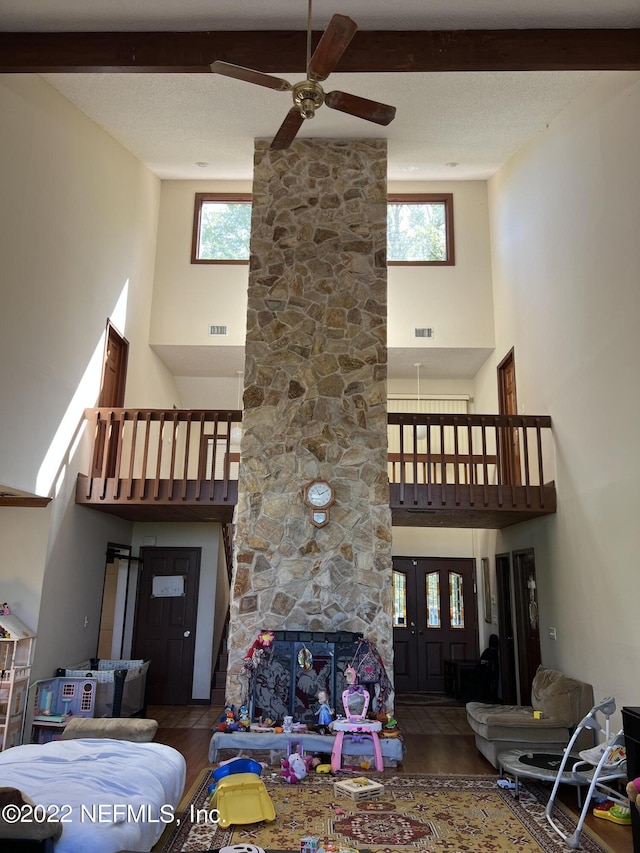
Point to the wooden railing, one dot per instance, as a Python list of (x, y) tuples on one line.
[(180, 456), (469, 460), (190, 458)]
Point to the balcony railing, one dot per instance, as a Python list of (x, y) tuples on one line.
[(467, 463), (183, 465)]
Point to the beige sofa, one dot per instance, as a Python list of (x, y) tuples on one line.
[(562, 701)]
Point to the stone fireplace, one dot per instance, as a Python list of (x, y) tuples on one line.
[(315, 401)]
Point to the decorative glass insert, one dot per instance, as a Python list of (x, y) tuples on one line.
[(432, 593), (399, 600), (167, 586), (456, 600)]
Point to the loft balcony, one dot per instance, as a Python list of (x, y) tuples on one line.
[(482, 471)]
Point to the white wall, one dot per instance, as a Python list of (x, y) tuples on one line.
[(79, 219), (206, 536), (457, 300), (566, 255)]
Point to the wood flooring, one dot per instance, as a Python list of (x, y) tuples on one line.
[(438, 740)]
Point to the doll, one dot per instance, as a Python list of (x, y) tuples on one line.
[(323, 713)]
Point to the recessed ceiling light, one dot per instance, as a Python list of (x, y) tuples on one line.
[(202, 164), (453, 164)]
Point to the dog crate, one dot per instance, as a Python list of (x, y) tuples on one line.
[(121, 685)]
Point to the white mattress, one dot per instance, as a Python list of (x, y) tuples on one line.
[(110, 794)]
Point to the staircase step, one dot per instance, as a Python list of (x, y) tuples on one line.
[(218, 695), (220, 679)]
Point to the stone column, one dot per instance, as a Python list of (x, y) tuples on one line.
[(315, 400)]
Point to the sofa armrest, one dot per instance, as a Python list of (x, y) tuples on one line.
[(119, 728)]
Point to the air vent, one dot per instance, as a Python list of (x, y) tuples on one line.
[(424, 332), (218, 330)]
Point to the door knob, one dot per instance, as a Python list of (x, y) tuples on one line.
[(187, 634)]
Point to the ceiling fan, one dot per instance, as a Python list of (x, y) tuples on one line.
[(308, 94)]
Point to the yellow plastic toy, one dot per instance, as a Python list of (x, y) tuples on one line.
[(242, 798)]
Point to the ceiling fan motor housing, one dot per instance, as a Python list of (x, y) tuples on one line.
[(308, 96)]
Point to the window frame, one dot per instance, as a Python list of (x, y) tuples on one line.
[(429, 198), (392, 198), (197, 218)]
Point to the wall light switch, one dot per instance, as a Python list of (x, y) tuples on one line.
[(552, 633)]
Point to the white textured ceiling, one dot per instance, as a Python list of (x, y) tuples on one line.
[(173, 121)]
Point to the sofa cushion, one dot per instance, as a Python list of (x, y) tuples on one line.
[(514, 723), (558, 696)]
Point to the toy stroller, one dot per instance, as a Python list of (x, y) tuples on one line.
[(607, 761)]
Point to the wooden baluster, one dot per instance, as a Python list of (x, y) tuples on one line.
[(527, 479), (172, 466), (456, 460), (540, 472), (429, 466), (227, 460), (402, 471), (156, 488), (498, 461), (95, 416), (134, 438), (187, 451), (202, 462), (214, 455), (105, 454), (512, 455), (145, 453), (122, 419), (414, 461), (485, 468), (443, 466), (472, 467)]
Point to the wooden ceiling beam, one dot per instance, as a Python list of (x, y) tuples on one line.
[(280, 52)]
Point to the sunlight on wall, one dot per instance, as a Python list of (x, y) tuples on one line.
[(72, 424)]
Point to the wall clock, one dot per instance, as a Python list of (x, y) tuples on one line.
[(319, 495)]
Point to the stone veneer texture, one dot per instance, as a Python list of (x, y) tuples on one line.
[(315, 400)]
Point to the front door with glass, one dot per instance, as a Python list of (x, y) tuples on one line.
[(434, 619)]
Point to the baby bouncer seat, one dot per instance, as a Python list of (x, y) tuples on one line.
[(596, 767)]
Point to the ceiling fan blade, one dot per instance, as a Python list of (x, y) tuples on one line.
[(249, 75), (332, 45), (360, 107), (288, 129)]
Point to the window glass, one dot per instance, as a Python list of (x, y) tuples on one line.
[(222, 228), (432, 593), (399, 600), (420, 229), (456, 600)]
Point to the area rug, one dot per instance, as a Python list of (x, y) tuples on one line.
[(415, 814)]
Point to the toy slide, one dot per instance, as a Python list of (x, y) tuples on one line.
[(242, 798)]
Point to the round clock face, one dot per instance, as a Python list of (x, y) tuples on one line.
[(320, 494)]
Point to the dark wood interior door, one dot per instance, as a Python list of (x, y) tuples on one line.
[(165, 621), (435, 619), (507, 690), (112, 388), (509, 438), (528, 624)]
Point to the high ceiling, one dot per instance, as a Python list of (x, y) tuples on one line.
[(172, 122), (450, 124)]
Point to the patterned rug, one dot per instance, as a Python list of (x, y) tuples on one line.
[(415, 814)]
